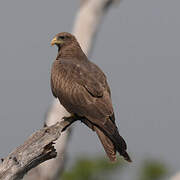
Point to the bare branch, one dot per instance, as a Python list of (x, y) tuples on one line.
[(35, 150)]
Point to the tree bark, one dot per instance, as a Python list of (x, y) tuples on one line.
[(35, 150)]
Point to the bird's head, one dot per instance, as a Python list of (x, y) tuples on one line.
[(68, 47), (63, 39)]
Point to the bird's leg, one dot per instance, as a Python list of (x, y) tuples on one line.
[(74, 117), (71, 119)]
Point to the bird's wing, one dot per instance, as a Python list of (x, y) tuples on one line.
[(87, 76), (100, 76), (80, 88)]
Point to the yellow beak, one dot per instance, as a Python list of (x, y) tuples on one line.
[(54, 41)]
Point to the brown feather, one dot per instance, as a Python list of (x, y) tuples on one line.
[(107, 144), (82, 89), (111, 131)]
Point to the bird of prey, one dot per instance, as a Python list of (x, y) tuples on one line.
[(82, 89)]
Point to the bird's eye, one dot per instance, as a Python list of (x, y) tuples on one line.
[(62, 37)]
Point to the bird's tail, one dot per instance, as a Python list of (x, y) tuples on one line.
[(107, 144), (121, 146), (111, 140)]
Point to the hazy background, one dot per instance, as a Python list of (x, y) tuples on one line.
[(138, 47)]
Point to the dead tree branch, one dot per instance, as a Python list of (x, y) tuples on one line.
[(35, 150)]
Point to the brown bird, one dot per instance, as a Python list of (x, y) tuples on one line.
[(82, 89)]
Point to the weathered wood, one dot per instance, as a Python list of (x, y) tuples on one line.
[(35, 150)]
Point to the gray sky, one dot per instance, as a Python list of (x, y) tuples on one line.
[(137, 47)]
